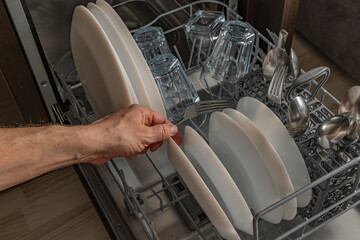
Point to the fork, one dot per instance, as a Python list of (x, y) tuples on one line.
[(202, 107), (277, 84)]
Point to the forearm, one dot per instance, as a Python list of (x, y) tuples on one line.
[(30, 152)]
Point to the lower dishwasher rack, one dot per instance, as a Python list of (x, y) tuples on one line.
[(334, 173)]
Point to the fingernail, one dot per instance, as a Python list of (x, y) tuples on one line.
[(174, 129)]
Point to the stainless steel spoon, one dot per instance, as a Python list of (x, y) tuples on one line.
[(350, 106), (332, 130), (298, 111), (295, 64), (353, 130), (350, 103), (277, 57), (297, 116), (296, 67)]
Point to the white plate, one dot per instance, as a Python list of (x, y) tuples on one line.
[(100, 70), (123, 54), (141, 65), (271, 160), (245, 165), (141, 167), (201, 192), (274, 130), (218, 180)]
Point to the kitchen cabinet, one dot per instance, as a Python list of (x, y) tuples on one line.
[(20, 101), (274, 15)]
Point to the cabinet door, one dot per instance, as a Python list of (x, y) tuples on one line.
[(20, 100), (271, 14), (9, 113)]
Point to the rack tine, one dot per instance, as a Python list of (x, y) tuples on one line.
[(277, 84), (200, 107), (279, 79), (273, 80), (212, 102), (284, 76), (212, 109)]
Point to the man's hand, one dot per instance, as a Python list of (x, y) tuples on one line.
[(31, 151), (131, 131)]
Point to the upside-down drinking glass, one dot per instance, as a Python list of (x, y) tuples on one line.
[(151, 41), (176, 90), (202, 31), (230, 59)]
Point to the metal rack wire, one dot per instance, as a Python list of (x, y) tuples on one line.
[(335, 173)]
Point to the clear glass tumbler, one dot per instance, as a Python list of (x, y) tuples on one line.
[(176, 90), (229, 60), (202, 31), (151, 41)]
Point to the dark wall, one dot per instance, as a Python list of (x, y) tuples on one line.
[(334, 27)]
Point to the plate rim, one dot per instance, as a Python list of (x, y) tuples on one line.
[(263, 202), (76, 34), (194, 182), (91, 6), (271, 159), (123, 53), (192, 142), (304, 198), (148, 80)]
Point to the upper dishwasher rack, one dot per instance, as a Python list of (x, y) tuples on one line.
[(334, 172)]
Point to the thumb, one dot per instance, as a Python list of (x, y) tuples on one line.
[(160, 132)]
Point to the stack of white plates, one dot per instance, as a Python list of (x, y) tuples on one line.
[(275, 132), (114, 75), (247, 167)]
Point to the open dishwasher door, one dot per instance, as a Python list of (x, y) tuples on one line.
[(130, 212)]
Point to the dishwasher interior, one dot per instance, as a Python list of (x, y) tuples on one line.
[(166, 209)]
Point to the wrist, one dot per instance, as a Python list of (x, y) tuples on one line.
[(87, 143), (72, 145)]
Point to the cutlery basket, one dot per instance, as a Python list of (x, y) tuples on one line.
[(334, 173)]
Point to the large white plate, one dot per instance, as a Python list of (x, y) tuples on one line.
[(218, 180), (141, 65), (245, 165), (123, 54), (100, 70), (201, 192), (142, 169), (271, 160), (274, 130)]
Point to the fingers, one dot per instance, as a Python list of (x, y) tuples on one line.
[(155, 118), (145, 150), (153, 147), (159, 128), (160, 132), (177, 138)]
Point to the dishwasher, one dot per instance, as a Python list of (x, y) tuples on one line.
[(165, 209)]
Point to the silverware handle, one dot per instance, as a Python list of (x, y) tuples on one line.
[(306, 78), (282, 39)]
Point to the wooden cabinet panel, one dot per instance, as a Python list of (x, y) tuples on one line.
[(9, 113), (17, 74), (271, 14)]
